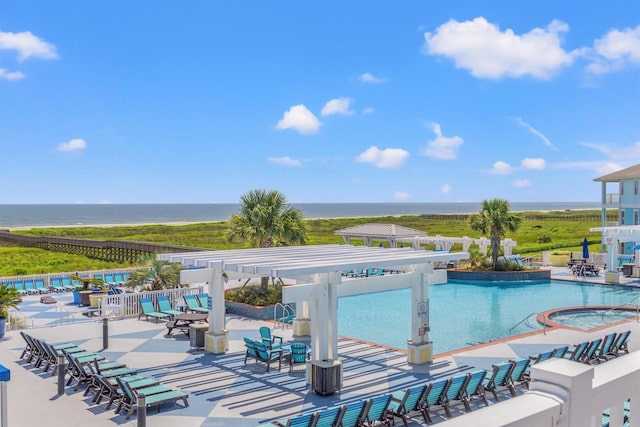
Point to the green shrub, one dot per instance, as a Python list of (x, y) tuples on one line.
[(255, 295)]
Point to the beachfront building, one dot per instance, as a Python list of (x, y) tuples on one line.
[(626, 200)]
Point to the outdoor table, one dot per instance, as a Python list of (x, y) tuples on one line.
[(182, 321)]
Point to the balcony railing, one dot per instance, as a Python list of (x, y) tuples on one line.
[(611, 200)]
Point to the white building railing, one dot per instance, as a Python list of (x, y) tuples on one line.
[(563, 393)]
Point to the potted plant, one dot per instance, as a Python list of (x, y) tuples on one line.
[(559, 258), (89, 286), (9, 298)]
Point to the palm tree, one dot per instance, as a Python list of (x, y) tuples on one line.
[(9, 298), (154, 274), (266, 220), (495, 219)]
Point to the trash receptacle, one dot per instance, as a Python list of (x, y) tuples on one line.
[(627, 270), (196, 334), (326, 376)]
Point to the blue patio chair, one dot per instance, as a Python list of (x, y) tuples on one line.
[(590, 353), (268, 338), (408, 401), (621, 343), (268, 355), (560, 352), (304, 420), (56, 284), (578, 351), (518, 374), (433, 398), (354, 413), (203, 300), (193, 305), (250, 350), (108, 279), (452, 391), (474, 389), (330, 417), (30, 287), (40, 287), (500, 378), (19, 286), (118, 279), (164, 306), (147, 309), (299, 354), (377, 411)]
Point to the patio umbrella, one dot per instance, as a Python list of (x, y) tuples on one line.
[(585, 248)]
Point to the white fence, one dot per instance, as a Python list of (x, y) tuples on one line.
[(563, 393), (48, 276), (128, 304)]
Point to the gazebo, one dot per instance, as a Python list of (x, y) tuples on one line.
[(318, 281), (370, 233)]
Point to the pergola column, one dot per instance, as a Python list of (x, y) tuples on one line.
[(419, 347)]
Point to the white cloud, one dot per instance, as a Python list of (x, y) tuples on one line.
[(370, 78), (535, 132), (337, 106), (368, 110), (615, 50), (607, 168), (534, 164), (301, 119), (501, 168), (27, 45), (72, 145), (386, 159), (521, 183), (11, 75), (604, 149), (105, 202), (445, 189), (480, 46), (285, 161), (401, 195), (443, 147)]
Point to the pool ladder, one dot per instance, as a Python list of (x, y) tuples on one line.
[(544, 324)]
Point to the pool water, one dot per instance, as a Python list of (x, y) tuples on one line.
[(587, 319), (463, 314)]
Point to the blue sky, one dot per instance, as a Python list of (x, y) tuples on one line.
[(419, 101)]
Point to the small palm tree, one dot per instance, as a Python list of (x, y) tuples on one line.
[(495, 219), (9, 298), (266, 220), (154, 274)]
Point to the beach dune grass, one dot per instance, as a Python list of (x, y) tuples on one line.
[(564, 229)]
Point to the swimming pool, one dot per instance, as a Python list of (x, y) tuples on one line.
[(463, 314)]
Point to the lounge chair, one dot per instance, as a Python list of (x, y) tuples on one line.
[(408, 401), (604, 353), (30, 287), (192, 304), (19, 286), (353, 415), (109, 280), (451, 393), (68, 284), (621, 343), (304, 420), (40, 287), (56, 285), (330, 417), (118, 279), (577, 351), (268, 339), (203, 300), (299, 354), (377, 411), (156, 399), (474, 389), (500, 378), (164, 306), (590, 353), (147, 309), (518, 375), (560, 352), (433, 400)]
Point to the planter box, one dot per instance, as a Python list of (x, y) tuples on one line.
[(559, 260), (252, 311), (499, 276)]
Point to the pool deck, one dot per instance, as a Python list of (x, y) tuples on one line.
[(223, 391)]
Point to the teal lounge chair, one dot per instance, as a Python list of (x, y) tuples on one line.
[(329, 417), (67, 283), (164, 306), (156, 399), (40, 287), (30, 287), (452, 392), (147, 309), (304, 420), (56, 284), (560, 352), (604, 353), (377, 411), (403, 403), (433, 399), (518, 375), (474, 389), (353, 415), (500, 378), (118, 279), (621, 343), (19, 286), (590, 353), (578, 351), (192, 304), (108, 279), (203, 300)]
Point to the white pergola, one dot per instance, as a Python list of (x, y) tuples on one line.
[(612, 237), (317, 273)]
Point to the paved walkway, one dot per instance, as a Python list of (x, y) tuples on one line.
[(223, 391)]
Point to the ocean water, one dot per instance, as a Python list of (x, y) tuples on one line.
[(85, 214)]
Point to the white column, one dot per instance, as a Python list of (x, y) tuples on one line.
[(217, 339)]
